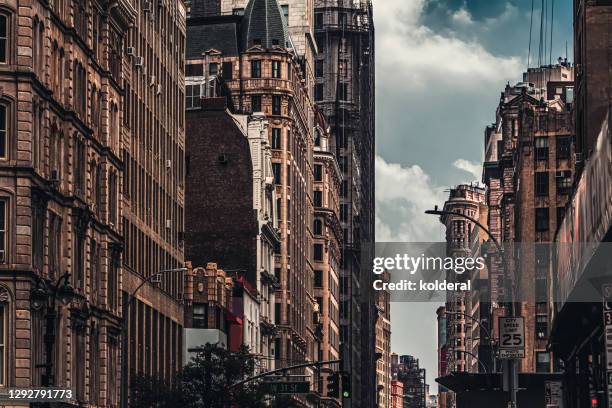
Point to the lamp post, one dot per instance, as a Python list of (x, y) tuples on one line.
[(511, 365), (46, 295), (124, 329)]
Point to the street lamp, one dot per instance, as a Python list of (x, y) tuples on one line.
[(510, 305), (124, 328), (45, 295)]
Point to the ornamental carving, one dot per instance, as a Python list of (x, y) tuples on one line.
[(4, 295)]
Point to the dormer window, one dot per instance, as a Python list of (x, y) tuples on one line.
[(256, 69)]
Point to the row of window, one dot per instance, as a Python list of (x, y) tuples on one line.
[(563, 181)]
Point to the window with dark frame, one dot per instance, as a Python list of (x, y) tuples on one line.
[(318, 172), (541, 184), (318, 252), (276, 138), (564, 147), (227, 71), (256, 103), (4, 40), (318, 279), (276, 105), (318, 198), (541, 148), (276, 69), (541, 219), (255, 68)]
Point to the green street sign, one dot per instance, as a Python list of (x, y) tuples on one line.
[(299, 387)]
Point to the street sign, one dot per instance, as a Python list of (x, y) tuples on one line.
[(295, 387), (511, 337), (553, 394)]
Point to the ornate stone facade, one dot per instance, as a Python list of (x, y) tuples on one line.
[(72, 113)]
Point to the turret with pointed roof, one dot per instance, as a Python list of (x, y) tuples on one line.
[(263, 25)]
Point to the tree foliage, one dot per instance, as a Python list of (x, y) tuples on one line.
[(203, 383)]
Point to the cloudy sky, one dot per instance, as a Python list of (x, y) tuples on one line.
[(441, 65)]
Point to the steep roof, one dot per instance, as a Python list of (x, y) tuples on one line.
[(220, 34), (263, 25)]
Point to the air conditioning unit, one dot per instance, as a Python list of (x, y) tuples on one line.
[(168, 164), (131, 51), (139, 61), (168, 223), (156, 278)]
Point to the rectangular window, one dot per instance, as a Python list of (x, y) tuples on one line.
[(276, 138), (194, 70), (541, 145), (343, 91), (4, 25), (319, 68), (276, 105), (213, 69), (193, 95), (318, 279), (318, 252), (276, 69), (564, 147), (276, 169), (3, 132), (285, 9), (541, 219), (255, 69), (318, 20), (3, 344), (318, 92), (277, 317), (200, 316), (541, 184), (227, 71), (256, 103), (38, 225), (55, 239), (541, 326), (318, 198), (318, 172)]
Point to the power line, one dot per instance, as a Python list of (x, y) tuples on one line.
[(530, 31)]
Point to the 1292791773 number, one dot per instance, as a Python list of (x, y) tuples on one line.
[(37, 394)]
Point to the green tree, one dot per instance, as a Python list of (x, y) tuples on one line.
[(204, 383)]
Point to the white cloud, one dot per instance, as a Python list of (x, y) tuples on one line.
[(402, 196), (411, 53), (473, 168), (462, 16)]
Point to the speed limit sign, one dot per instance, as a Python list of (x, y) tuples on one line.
[(511, 337)]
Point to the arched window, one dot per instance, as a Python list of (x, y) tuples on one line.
[(4, 38)]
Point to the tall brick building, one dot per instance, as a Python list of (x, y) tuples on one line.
[(529, 173), (249, 58), (344, 91), (82, 166)]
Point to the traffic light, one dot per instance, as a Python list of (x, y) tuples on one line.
[(333, 385), (346, 386)]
